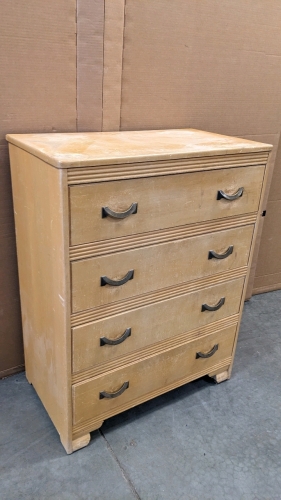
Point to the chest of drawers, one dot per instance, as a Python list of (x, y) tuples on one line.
[(133, 251)]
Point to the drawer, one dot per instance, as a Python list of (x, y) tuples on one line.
[(147, 325), (149, 375), (156, 266), (162, 202)]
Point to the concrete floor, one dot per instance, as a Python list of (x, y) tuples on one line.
[(199, 442)]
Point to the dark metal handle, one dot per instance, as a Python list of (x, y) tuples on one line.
[(124, 336), (107, 281), (220, 303), (207, 354), (215, 255), (111, 395), (107, 212), (230, 197)]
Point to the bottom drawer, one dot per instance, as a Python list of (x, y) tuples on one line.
[(107, 394)]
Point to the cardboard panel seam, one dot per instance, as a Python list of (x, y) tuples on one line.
[(90, 48), (113, 56)]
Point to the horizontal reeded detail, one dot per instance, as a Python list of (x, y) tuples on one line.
[(154, 349), (83, 175), (119, 307), (115, 245)]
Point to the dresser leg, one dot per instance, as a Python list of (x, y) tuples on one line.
[(81, 442), (76, 444), (220, 377)]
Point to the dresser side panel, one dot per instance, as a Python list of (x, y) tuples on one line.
[(40, 207), (256, 233)]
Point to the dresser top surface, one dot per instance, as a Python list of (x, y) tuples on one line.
[(65, 150)]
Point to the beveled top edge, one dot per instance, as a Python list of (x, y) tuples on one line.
[(82, 149)]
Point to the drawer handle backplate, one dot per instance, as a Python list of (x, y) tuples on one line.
[(107, 212), (124, 336), (207, 354), (230, 197), (220, 303), (215, 255), (111, 395), (107, 281)]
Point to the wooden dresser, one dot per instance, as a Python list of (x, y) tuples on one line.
[(133, 250)]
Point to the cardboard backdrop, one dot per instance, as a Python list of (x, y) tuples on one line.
[(96, 65), (38, 94)]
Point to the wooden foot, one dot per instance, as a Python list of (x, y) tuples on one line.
[(220, 377), (81, 442), (76, 444)]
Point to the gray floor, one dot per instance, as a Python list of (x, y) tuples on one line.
[(200, 442)]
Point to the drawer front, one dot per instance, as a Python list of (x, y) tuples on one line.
[(162, 202), (156, 266), (149, 375), (147, 325)]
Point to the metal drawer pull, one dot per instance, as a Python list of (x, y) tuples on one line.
[(230, 197), (107, 212), (215, 255), (107, 281), (220, 303), (111, 395), (124, 336), (207, 354)]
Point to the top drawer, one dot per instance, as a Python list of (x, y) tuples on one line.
[(162, 202)]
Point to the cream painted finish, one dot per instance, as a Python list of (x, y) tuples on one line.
[(149, 375), (153, 323), (163, 202), (156, 266), (166, 243)]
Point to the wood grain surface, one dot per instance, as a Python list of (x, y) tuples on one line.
[(105, 148), (152, 324), (65, 247), (163, 202), (156, 266), (149, 375), (40, 199)]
